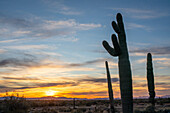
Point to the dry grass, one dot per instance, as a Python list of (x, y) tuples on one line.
[(14, 104)]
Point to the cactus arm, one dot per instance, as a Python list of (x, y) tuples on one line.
[(109, 49), (116, 44), (110, 91), (112, 51), (150, 79), (115, 27)]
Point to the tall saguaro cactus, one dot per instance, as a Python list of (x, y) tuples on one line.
[(110, 89), (125, 77), (150, 79)]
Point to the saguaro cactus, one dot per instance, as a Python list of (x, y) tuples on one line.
[(125, 77), (110, 91), (150, 79)]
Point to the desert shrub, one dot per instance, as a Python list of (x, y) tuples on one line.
[(163, 111), (45, 110), (150, 110), (15, 104), (78, 111)]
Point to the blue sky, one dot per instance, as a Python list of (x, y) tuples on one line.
[(57, 45)]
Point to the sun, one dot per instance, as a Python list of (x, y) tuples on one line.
[(50, 92)]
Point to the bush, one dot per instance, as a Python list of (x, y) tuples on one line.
[(15, 104)]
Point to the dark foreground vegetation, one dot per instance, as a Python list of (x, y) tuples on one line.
[(21, 105)]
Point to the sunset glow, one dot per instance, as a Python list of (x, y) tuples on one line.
[(54, 47), (50, 93)]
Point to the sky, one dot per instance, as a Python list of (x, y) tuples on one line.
[(54, 47)]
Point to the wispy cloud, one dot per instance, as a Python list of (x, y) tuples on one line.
[(67, 24), (2, 50), (61, 8), (46, 53), (154, 50), (163, 78), (17, 62), (137, 26), (3, 86), (89, 93), (17, 86), (10, 41), (31, 66), (96, 80), (86, 63), (160, 63), (20, 78), (34, 62), (36, 27), (140, 13), (57, 84), (27, 47)]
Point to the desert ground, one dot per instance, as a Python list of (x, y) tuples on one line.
[(81, 106)]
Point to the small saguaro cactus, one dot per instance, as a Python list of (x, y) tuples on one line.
[(150, 79), (110, 91), (74, 103), (125, 77)]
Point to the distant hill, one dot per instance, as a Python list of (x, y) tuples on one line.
[(65, 98)]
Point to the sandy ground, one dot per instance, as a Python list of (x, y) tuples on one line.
[(93, 108)]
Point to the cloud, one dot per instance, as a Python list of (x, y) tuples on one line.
[(59, 7), (163, 78), (164, 90), (141, 14), (46, 53), (15, 62), (2, 51), (5, 73), (27, 47), (163, 84), (18, 85), (57, 84), (160, 63), (9, 41), (50, 25), (89, 93), (154, 50), (70, 39), (96, 80), (16, 22), (1, 87), (40, 85), (99, 51), (20, 78), (37, 27), (4, 88), (23, 88), (26, 60), (34, 62), (137, 26), (85, 63), (30, 65)]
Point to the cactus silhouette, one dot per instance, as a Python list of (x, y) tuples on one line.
[(74, 103), (125, 77), (110, 91), (150, 79)]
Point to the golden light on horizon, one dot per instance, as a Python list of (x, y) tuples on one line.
[(50, 92)]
